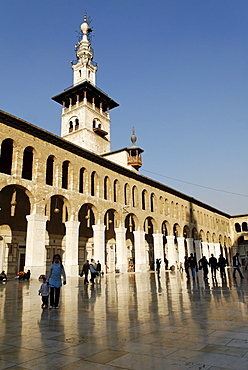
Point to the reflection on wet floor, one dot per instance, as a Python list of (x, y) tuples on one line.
[(128, 321)]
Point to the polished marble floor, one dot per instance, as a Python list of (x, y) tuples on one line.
[(127, 321)]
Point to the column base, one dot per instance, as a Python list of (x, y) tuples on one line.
[(72, 270), (35, 271), (140, 268), (122, 268)]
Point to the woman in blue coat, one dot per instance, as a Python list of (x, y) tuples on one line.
[(54, 278)]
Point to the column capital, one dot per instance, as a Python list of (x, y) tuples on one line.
[(100, 227), (36, 217)]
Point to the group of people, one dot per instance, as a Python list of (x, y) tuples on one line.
[(94, 269), (190, 263)]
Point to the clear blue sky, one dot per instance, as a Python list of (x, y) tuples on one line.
[(178, 69)]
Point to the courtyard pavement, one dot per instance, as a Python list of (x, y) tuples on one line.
[(127, 321)]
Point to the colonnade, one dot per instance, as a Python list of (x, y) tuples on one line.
[(175, 253)]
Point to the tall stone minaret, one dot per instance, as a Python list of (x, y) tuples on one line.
[(85, 117)]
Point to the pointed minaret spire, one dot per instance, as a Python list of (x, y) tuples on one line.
[(84, 68)]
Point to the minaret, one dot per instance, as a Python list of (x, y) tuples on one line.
[(85, 117), (134, 158)]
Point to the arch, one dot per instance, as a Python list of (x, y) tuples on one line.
[(186, 232), (86, 217), (208, 237), (161, 205), (81, 180), (244, 226), (94, 184), (237, 227), (6, 156), (214, 238), (65, 174), (127, 195), (172, 210), (134, 196), (106, 188), (153, 202), (144, 196), (49, 170), (201, 235), (195, 234), (116, 191), (177, 211), (27, 164), (166, 207), (96, 123)]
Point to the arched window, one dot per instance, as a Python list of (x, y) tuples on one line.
[(70, 126), (237, 228), (76, 124), (49, 170), (116, 191), (152, 202), (135, 196), (244, 226), (6, 156), (27, 166), (65, 172), (127, 194), (81, 180), (106, 188), (144, 200), (93, 177)]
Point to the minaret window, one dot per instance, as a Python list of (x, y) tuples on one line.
[(79, 73), (70, 126), (76, 124)]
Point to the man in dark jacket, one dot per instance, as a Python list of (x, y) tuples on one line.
[(192, 265), (213, 263), (236, 266), (85, 271)]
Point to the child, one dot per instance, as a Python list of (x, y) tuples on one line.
[(54, 278), (44, 292)]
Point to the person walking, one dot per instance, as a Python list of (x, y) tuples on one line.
[(192, 265), (186, 266), (85, 271), (54, 279), (44, 292), (222, 264), (93, 271), (246, 261), (236, 266), (213, 263), (158, 265), (203, 262), (99, 268)]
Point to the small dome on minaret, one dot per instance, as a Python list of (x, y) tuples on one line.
[(84, 26)]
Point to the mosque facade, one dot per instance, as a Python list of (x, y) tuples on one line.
[(71, 195)]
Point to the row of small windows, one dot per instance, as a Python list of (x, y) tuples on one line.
[(239, 228), (74, 124), (110, 192)]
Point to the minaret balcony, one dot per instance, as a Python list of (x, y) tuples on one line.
[(135, 162), (100, 132), (98, 110)]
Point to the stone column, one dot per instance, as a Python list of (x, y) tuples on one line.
[(71, 249), (190, 245), (171, 251), (211, 249), (99, 244), (140, 251), (35, 245), (198, 250), (158, 249), (217, 250), (181, 250), (205, 249), (2, 253), (121, 249)]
